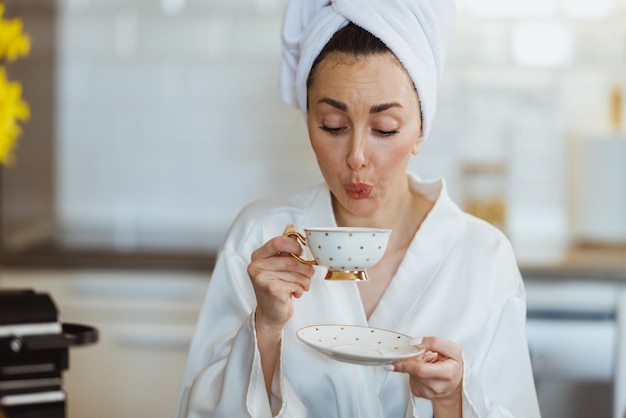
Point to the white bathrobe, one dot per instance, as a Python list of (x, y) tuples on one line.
[(458, 280)]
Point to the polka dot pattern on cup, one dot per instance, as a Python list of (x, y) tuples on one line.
[(347, 249)]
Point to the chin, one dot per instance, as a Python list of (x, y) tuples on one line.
[(361, 208)]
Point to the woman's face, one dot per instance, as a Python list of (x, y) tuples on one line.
[(364, 123)]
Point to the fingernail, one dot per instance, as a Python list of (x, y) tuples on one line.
[(416, 341), (389, 367)]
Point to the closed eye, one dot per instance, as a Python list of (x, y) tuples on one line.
[(385, 134), (331, 130)]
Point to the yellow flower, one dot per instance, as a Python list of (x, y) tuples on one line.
[(13, 42), (12, 109)]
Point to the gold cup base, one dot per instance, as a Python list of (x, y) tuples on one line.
[(346, 275)]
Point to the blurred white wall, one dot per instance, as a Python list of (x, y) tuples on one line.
[(170, 119)]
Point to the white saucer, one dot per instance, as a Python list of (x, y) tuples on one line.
[(360, 345)]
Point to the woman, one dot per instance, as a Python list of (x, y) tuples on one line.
[(362, 71)]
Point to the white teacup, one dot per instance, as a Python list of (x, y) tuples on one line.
[(346, 252)]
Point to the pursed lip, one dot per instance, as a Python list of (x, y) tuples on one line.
[(358, 190)]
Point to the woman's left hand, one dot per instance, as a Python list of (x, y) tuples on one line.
[(437, 375)]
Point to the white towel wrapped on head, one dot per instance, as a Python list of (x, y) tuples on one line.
[(416, 31)]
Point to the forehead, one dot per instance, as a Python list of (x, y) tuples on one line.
[(380, 73)]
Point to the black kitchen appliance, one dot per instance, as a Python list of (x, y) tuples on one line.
[(34, 346)]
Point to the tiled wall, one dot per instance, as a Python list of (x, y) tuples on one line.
[(170, 119)]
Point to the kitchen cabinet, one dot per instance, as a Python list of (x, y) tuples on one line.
[(572, 332), (576, 330), (145, 320)]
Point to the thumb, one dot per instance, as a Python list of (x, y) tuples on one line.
[(289, 228)]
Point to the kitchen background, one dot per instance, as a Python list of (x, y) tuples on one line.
[(155, 121)]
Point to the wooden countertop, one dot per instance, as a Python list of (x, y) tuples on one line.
[(607, 263)]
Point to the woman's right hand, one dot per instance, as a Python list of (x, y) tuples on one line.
[(277, 277)]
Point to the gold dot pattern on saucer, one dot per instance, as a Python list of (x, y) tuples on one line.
[(358, 344)]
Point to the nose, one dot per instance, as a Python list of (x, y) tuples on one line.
[(357, 153)]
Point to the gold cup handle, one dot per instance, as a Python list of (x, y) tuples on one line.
[(302, 239)]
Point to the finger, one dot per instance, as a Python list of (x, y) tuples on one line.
[(280, 289), (419, 365), (289, 228), (445, 348), (303, 281), (286, 264), (281, 267), (412, 366), (277, 245), (294, 289), (430, 357), (265, 277)]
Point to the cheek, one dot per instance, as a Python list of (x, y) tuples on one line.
[(326, 158), (396, 157), (325, 151), (325, 155)]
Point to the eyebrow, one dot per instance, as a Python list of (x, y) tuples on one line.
[(334, 103), (382, 107), (344, 108)]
